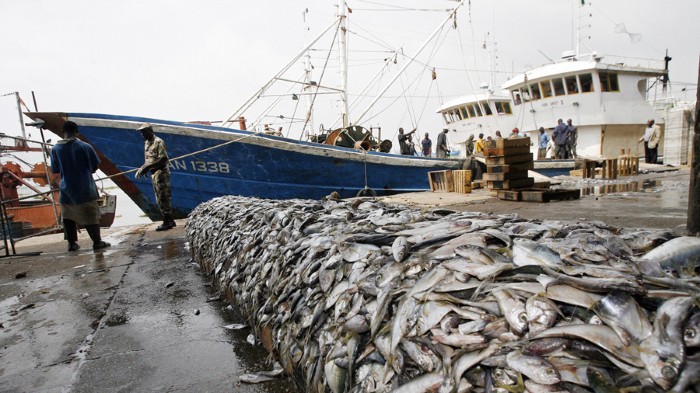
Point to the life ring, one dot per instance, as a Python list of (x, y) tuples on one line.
[(366, 192)]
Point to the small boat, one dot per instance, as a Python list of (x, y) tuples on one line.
[(30, 210), (209, 160)]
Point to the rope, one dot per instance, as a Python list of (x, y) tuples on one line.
[(320, 79)]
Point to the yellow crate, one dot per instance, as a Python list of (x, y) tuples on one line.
[(462, 181), (441, 181)]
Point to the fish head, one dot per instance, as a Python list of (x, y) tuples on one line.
[(518, 324), (665, 371)]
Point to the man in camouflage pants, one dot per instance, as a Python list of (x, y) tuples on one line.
[(156, 162)]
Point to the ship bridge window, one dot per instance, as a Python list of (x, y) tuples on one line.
[(477, 109), (525, 92), (463, 112), (546, 89), (516, 97), (558, 87), (608, 82), (571, 85), (457, 115), (471, 110), (503, 107), (487, 109), (535, 90), (586, 83)]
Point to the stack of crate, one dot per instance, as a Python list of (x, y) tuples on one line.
[(507, 165)]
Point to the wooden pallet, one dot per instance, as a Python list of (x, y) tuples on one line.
[(506, 151), (627, 165), (523, 166), (512, 142), (511, 184), (547, 195), (462, 181), (502, 160), (441, 181), (504, 176), (509, 195), (477, 184), (608, 169)]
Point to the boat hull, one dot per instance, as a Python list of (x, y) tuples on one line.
[(207, 162)]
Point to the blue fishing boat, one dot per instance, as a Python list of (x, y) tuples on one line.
[(210, 161), (226, 159)]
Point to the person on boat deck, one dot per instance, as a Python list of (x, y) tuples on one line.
[(571, 140), (442, 150), (469, 146), (156, 162), (544, 141), (479, 145), (403, 142), (76, 161), (651, 138), (515, 133), (490, 142), (426, 146), (560, 136), (518, 101), (498, 135)]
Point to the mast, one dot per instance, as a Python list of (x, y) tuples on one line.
[(19, 112), (343, 58), (308, 79)]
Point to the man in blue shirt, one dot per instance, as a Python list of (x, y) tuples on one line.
[(544, 141), (76, 161), (561, 137), (427, 145)]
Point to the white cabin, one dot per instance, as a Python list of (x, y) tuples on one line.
[(607, 102), (485, 112)]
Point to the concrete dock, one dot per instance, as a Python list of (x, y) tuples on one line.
[(140, 316)]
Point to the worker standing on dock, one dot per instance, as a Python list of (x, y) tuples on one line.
[(651, 138), (156, 162), (76, 161), (544, 141), (560, 136)]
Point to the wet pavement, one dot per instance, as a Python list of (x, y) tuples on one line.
[(137, 317)]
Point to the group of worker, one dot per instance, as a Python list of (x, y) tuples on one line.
[(408, 148), (564, 138)]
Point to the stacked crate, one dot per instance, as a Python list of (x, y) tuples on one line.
[(507, 165)]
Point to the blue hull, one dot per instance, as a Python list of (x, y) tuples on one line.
[(234, 162)]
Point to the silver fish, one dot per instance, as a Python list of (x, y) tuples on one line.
[(424, 383), (482, 255), (534, 367), (541, 313), (513, 310), (679, 253), (622, 313), (527, 252), (691, 331), (663, 352), (400, 248)]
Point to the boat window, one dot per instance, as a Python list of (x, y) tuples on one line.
[(558, 87), (477, 108), (535, 90), (471, 110), (608, 82), (525, 93), (506, 108), (546, 89), (458, 116), (516, 97), (571, 85), (446, 118), (487, 109), (463, 112), (586, 83)]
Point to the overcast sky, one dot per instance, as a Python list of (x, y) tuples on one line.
[(201, 59)]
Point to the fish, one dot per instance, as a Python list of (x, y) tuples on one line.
[(534, 367), (621, 312), (542, 313), (528, 252), (663, 353), (400, 248), (480, 255), (423, 383), (691, 331), (681, 253)]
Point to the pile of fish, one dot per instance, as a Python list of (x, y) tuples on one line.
[(364, 296)]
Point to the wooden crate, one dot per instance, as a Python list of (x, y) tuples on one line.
[(502, 160), (547, 195), (627, 165), (524, 166), (512, 142), (441, 181), (511, 184), (462, 181), (477, 184), (505, 176), (506, 151), (542, 184), (509, 195)]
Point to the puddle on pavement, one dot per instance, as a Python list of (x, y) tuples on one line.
[(617, 188)]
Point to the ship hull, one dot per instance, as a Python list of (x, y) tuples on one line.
[(207, 162)]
